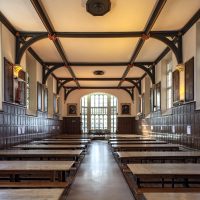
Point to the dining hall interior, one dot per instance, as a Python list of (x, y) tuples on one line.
[(99, 99)]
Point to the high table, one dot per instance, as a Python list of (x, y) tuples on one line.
[(65, 139)]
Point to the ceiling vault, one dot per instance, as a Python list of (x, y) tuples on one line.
[(45, 20), (171, 38)]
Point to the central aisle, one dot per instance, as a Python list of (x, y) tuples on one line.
[(99, 177)]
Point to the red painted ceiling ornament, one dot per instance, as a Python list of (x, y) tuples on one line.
[(17, 33), (145, 36), (129, 65), (52, 37)]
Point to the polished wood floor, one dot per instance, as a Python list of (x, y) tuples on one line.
[(99, 177)]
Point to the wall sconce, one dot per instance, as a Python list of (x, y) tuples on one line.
[(180, 67), (16, 70)]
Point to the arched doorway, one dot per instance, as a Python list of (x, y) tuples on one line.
[(99, 112)]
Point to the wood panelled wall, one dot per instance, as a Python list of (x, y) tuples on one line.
[(126, 125), (17, 127), (173, 127), (72, 125)]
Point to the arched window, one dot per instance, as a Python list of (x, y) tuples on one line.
[(99, 112)]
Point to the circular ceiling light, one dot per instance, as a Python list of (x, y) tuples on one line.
[(98, 7), (99, 72)]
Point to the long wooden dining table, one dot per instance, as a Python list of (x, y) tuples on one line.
[(14, 169), (146, 147), (50, 146), (151, 156), (40, 154), (31, 194), (171, 196)]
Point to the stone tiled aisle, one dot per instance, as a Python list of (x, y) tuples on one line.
[(99, 177)]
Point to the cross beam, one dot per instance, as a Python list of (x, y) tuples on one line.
[(130, 34), (129, 90), (97, 64)]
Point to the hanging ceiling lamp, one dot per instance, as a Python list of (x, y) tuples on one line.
[(99, 72), (98, 7)]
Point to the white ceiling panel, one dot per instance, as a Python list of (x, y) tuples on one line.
[(109, 72), (22, 15), (127, 84), (176, 14), (99, 49), (62, 73), (71, 84), (47, 50), (125, 15), (151, 50), (135, 72), (99, 83)]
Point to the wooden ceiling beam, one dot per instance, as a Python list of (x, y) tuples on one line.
[(99, 79), (100, 87), (130, 34), (47, 23), (97, 64), (182, 31), (156, 12)]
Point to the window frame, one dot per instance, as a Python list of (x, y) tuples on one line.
[(169, 85)]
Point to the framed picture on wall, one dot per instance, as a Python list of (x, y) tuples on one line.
[(45, 99), (72, 109), (8, 81), (125, 108), (189, 80), (176, 86), (39, 96)]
